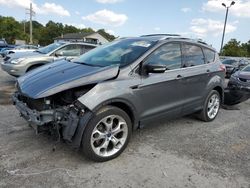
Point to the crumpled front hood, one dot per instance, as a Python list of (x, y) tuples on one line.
[(60, 76)]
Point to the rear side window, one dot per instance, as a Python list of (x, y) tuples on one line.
[(87, 48), (210, 55), (192, 55), (168, 54)]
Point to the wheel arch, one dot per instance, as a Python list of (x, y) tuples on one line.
[(221, 92), (120, 103), (125, 105), (216, 83), (38, 64)]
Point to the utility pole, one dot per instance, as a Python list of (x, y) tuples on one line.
[(225, 23), (24, 30), (31, 13)]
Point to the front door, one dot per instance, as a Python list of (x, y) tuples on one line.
[(162, 93)]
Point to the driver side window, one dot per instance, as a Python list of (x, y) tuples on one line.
[(69, 50), (168, 54)]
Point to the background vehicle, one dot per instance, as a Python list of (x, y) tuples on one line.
[(2, 50), (232, 65), (21, 48), (96, 100), (238, 87), (20, 63), (4, 44)]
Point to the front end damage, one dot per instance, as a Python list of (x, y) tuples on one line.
[(66, 121), (48, 97), (238, 91)]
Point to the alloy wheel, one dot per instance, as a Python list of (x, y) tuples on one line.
[(109, 135)]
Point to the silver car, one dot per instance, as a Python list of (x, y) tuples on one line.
[(19, 63)]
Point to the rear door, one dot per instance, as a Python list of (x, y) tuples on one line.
[(195, 72)]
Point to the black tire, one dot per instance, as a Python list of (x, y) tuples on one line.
[(203, 115), (101, 114)]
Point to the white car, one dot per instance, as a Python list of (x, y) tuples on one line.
[(21, 48)]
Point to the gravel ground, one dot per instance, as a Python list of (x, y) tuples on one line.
[(180, 153)]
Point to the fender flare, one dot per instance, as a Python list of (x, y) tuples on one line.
[(85, 118)]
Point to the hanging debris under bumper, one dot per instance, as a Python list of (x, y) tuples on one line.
[(68, 119)]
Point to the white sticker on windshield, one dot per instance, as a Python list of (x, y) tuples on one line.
[(141, 44)]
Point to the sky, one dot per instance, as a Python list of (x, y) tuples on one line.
[(203, 19)]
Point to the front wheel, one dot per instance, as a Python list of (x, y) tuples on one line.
[(211, 106), (107, 134)]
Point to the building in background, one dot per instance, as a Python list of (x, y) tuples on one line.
[(94, 38), (20, 42)]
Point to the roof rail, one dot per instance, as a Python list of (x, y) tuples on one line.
[(167, 35), (202, 42), (194, 40)]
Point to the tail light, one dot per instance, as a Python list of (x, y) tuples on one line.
[(223, 68)]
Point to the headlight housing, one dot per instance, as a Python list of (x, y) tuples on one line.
[(17, 61)]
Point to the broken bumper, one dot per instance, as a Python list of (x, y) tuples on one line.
[(236, 93), (33, 116), (72, 120)]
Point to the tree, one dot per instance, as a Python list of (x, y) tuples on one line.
[(10, 29), (70, 29), (246, 48), (106, 35), (87, 30), (235, 48), (49, 32)]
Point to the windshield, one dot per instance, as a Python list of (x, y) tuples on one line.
[(228, 61), (122, 52), (49, 48), (247, 68)]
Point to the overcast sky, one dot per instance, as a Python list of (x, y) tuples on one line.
[(197, 19)]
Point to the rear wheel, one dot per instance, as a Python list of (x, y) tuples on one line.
[(107, 134), (211, 106)]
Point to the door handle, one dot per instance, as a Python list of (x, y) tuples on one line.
[(179, 77), (134, 87)]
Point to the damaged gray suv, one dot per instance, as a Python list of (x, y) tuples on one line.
[(96, 101)]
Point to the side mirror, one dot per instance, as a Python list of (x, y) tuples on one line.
[(155, 68), (58, 54)]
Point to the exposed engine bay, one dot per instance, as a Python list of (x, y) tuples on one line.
[(58, 114), (58, 100)]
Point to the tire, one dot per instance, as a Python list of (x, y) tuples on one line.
[(207, 114), (107, 134)]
